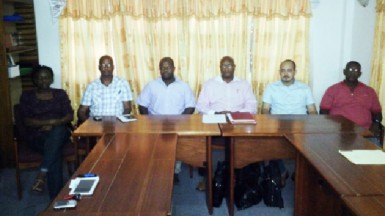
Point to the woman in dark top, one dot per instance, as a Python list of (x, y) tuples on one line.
[(46, 113)]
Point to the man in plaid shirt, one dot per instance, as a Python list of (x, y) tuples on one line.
[(107, 96)]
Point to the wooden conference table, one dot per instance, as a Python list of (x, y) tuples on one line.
[(136, 176), (194, 137), (267, 141), (367, 205), (331, 179), (273, 137)]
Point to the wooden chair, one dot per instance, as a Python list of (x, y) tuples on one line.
[(135, 93), (377, 138), (26, 158), (380, 136), (84, 145)]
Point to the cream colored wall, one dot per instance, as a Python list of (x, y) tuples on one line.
[(341, 31)]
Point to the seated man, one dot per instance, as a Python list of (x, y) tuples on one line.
[(354, 100), (287, 96), (225, 93), (167, 95), (107, 96)]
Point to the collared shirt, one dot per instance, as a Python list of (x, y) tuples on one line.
[(292, 99), (107, 100), (235, 96), (162, 99), (357, 106)]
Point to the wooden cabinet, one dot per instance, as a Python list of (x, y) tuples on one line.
[(24, 53)]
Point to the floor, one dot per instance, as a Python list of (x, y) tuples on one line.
[(187, 201)]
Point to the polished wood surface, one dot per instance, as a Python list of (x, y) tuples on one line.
[(365, 205), (266, 141), (136, 176), (183, 125), (345, 177), (194, 137), (279, 125), (323, 175)]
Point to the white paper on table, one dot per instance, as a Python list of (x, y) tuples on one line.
[(214, 118), (364, 156)]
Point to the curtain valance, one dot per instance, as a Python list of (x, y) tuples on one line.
[(97, 9)]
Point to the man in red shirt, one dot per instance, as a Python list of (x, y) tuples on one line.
[(354, 100)]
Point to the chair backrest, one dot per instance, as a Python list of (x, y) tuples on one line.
[(381, 138), (24, 154), (19, 123), (135, 92)]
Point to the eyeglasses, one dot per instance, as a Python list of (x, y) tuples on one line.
[(166, 68), (227, 66), (286, 70), (106, 65), (353, 70)]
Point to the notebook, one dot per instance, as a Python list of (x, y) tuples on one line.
[(241, 118)]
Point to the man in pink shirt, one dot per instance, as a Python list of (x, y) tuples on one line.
[(354, 100), (226, 92)]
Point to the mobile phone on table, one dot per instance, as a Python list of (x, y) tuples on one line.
[(97, 118), (64, 204)]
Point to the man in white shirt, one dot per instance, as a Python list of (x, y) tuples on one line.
[(167, 95)]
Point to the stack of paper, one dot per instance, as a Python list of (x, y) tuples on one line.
[(214, 118), (241, 118), (364, 156)]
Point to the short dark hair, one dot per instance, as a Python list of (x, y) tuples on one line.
[(227, 58), (288, 60), (352, 63), (39, 68), (166, 59), (106, 56)]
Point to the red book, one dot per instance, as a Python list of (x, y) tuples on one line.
[(241, 118)]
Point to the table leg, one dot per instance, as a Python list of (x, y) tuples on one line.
[(209, 175), (231, 177), (76, 147)]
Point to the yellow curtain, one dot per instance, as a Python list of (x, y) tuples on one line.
[(276, 39), (377, 80), (195, 33), (82, 43)]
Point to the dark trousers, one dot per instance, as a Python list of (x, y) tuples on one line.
[(50, 145)]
